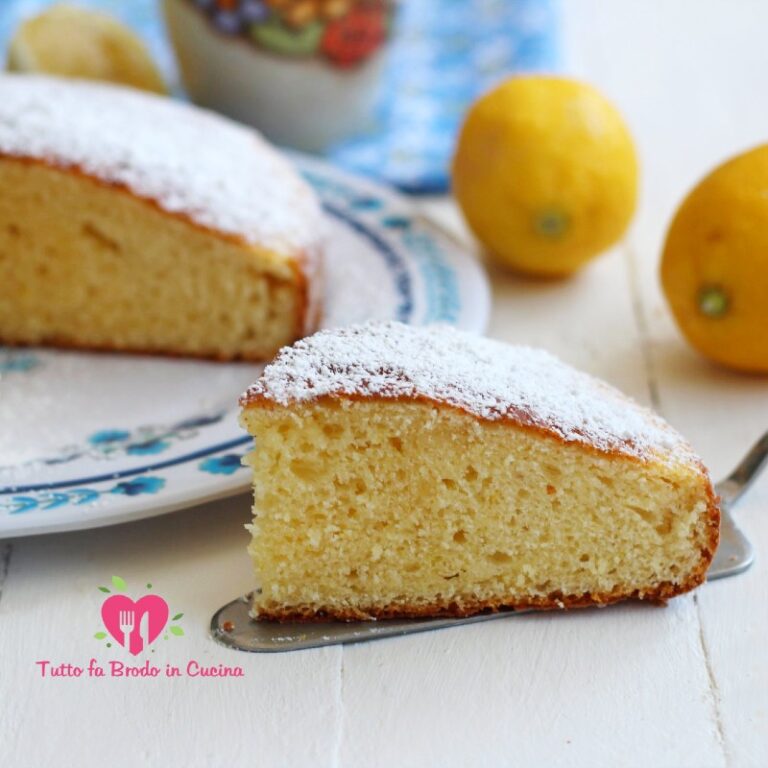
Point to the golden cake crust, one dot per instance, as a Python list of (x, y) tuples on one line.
[(659, 594), (487, 379)]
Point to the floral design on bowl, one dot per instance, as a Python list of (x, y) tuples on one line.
[(355, 36), (344, 32)]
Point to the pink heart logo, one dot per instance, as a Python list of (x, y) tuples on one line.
[(135, 625)]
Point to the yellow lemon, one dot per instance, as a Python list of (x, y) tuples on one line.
[(714, 269), (546, 174), (72, 42)]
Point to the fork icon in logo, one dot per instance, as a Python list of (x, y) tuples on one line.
[(127, 623), (126, 627)]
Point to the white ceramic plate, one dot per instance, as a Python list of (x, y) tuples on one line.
[(96, 439)]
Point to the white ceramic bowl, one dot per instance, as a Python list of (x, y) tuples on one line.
[(302, 98)]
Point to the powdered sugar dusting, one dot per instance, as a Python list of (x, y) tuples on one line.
[(189, 161), (487, 378)]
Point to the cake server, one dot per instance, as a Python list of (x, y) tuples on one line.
[(233, 627)]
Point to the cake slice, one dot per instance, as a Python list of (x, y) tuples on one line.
[(132, 222), (403, 471)]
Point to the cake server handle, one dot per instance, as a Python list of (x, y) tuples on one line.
[(748, 470)]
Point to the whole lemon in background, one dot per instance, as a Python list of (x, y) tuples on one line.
[(714, 269), (545, 173), (73, 42)]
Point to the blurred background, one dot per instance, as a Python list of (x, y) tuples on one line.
[(401, 92)]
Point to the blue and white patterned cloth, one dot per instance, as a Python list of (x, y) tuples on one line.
[(445, 54)]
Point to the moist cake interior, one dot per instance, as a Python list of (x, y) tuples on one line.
[(378, 508), (88, 266)]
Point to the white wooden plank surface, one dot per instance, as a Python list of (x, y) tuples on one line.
[(689, 86), (630, 686), (285, 711)]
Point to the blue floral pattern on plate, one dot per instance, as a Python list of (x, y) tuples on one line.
[(47, 500), (12, 361), (227, 464), (139, 485), (108, 437), (144, 441)]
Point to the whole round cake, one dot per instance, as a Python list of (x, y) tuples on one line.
[(404, 471), (133, 222)]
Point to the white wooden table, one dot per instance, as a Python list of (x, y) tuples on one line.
[(635, 685)]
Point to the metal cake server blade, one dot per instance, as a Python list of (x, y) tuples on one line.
[(233, 627)]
